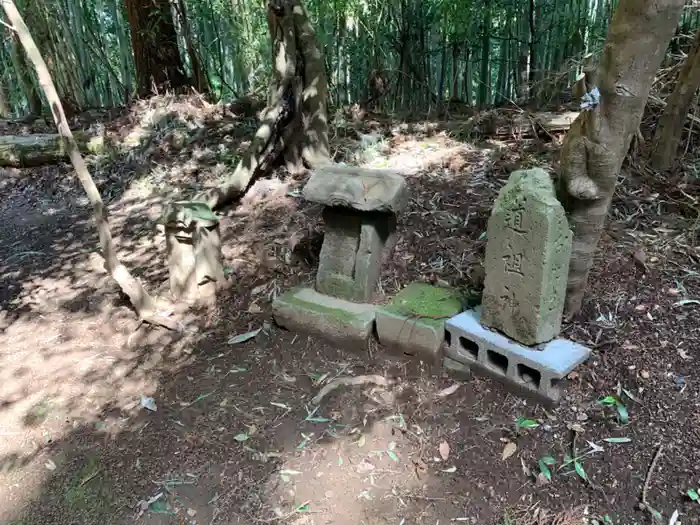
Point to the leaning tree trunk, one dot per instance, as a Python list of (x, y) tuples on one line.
[(294, 125), (142, 302), (157, 57), (597, 143), (670, 129)]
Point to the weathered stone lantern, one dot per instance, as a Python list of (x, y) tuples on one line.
[(360, 212)]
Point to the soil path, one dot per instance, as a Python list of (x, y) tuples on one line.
[(235, 438)]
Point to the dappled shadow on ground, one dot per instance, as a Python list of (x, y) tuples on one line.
[(235, 438)]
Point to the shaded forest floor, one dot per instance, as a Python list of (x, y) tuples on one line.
[(233, 440)]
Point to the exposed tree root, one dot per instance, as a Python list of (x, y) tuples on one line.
[(350, 381)]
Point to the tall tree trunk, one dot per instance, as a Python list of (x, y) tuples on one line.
[(468, 95), (670, 129), (443, 70), (19, 61), (199, 74), (523, 50), (597, 143), (532, 48), (423, 65), (154, 41), (125, 55), (5, 110), (454, 91), (485, 74), (501, 82), (295, 122), (142, 302)]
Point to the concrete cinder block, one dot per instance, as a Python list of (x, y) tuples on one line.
[(337, 320), (414, 321), (535, 369)]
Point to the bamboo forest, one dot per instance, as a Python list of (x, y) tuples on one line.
[(354, 262)]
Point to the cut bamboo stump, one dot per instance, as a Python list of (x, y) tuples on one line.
[(193, 245)]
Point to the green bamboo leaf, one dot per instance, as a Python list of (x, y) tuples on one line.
[(579, 470), (544, 469), (618, 440), (608, 400), (392, 455), (199, 210), (693, 494), (548, 460), (622, 412), (527, 423), (684, 302)]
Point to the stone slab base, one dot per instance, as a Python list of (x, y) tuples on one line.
[(339, 321), (456, 369), (537, 370), (414, 321)]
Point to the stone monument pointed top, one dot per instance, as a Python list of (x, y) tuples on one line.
[(357, 188), (535, 183)]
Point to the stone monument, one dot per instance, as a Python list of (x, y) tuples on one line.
[(527, 260), (512, 334), (360, 213)]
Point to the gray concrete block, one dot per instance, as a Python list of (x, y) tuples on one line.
[(414, 321), (536, 369), (339, 321)]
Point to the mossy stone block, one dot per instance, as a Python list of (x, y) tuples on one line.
[(336, 320), (414, 321)]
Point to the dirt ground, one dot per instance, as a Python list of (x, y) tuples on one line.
[(235, 438)]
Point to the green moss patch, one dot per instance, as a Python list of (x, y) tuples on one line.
[(428, 302)]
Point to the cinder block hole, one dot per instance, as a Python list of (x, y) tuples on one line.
[(448, 337), (529, 375), (554, 383), (498, 361), (470, 346)]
